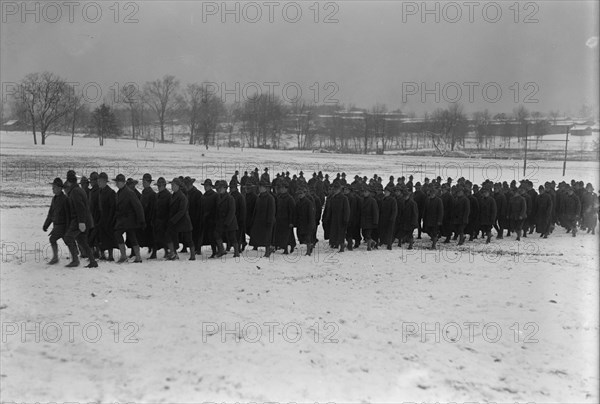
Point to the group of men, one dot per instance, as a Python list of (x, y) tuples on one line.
[(92, 218)]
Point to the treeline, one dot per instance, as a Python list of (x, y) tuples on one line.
[(46, 103)]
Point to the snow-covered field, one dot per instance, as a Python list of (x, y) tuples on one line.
[(508, 322)]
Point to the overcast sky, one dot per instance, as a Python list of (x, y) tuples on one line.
[(373, 53)]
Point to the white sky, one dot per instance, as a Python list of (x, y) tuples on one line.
[(370, 53)]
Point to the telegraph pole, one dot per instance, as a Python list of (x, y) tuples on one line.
[(525, 161), (566, 144)]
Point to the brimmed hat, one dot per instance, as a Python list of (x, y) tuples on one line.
[(208, 182), (58, 182), (188, 180), (233, 184), (103, 176), (84, 180), (119, 178), (177, 182), (147, 177), (161, 180), (93, 176), (71, 177), (589, 186), (221, 184), (131, 181)]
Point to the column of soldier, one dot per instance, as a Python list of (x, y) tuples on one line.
[(92, 220)]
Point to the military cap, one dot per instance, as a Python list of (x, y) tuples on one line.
[(84, 180), (589, 186), (58, 182), (93, 175), (233, 184), (147, 177), (161, 180), (103, 176), (208, 182), (221, 184), (119, 178), (131, 181)]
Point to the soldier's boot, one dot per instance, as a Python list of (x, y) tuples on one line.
[(342, 247), (236, 249), (489, 237), (500, 236), (153, 255), (349, 244), (132, 253), (54, 259), (309, 249), (254, 248), (123, 256), (110, 255), (447, 240), (267, 251), (74, 257), (356, 244), (285, 251), (102, 256), (192, 254), (410, 244), (455, 237), (545, 235), (518, 235), (292, 248), (370, 245), (220, 250), (183, 249), (213, 248), (462, 239), (433, 243), (171, 255), (574, 231), (419, 233), (96, 252), (389, 246), (524, 233), (471, 237), (138, 255)]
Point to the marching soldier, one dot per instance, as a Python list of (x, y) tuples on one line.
[(93, 197), (209, 214), (487, 212), (80, 222), (161, 217), (408, 219), (194, 196), (148, 201), (240, 213), (305, 219), (107, 200), (179, 222), (226, 224), (543, 214), (433, 216), (263, 221), (589, 208), (447, 223), (572, 210), (387, 216), (58, 216), (284, 219), (353, 230), (517, 212), (369, 216), (501, 211), (129, 217), (338, 216), (419, 197), (461, 210)]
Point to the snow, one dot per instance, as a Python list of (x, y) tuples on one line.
[(377, 305)]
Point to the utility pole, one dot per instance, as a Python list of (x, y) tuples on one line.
[(566, 145), (525, 161)]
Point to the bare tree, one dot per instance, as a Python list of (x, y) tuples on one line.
[(42, 99), (160, 95)]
